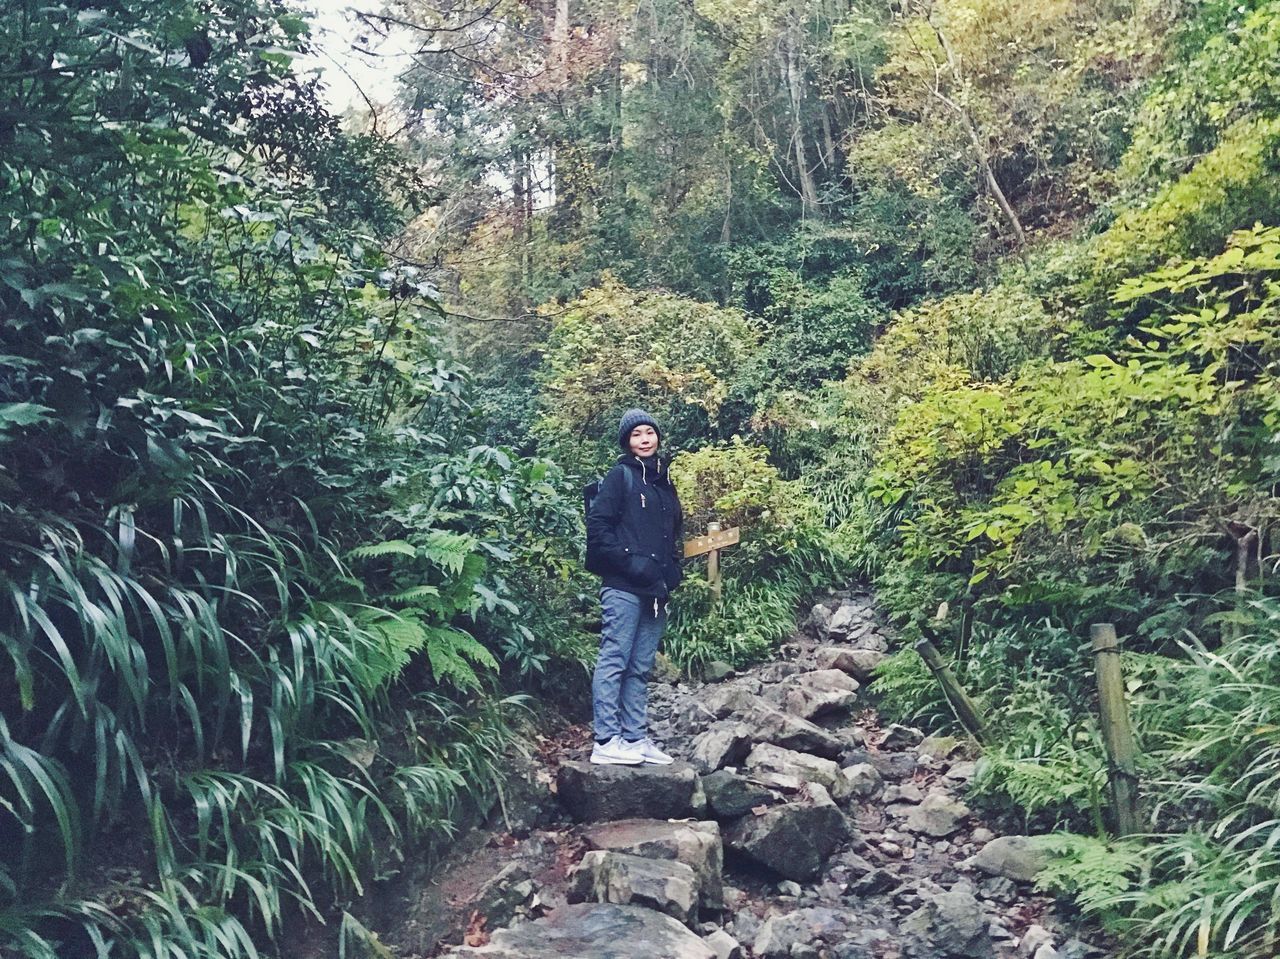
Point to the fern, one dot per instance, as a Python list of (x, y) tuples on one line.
[(391, 547), (448, 550), (1091, 871), (454, 656)]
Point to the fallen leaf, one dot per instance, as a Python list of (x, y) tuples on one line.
[(475, 934)]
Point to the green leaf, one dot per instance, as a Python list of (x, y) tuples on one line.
[(23, 414)]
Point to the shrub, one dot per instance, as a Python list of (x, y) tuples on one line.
[(785, 553)]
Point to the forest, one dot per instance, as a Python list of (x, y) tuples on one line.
[(972, 302)]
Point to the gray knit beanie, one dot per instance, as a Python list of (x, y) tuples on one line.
[(630, 420)]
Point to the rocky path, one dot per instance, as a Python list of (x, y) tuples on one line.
[(796, 827)]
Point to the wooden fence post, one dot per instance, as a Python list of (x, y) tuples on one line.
[(962, 705), (713, 568), (1117, 733)]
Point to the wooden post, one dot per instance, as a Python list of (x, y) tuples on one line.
[(1117, 733), (713, 568), (962, 705)]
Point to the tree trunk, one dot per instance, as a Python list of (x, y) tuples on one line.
[(560, 45), (795, 90), (979, 142)]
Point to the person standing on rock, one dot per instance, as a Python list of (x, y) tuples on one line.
[(634, 542)]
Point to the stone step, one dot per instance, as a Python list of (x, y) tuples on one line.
[(599, 793), (594, 931)]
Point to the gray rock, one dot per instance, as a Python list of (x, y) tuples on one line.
[(998, 889), (723, 701), (865, 782), (527, 800), (715, 671), (793, 840), (1018, 858), (730, 796), (869, 639), (939, 815), (819, 692), (1035, 937), (668, 886), (874, 883), (772, 725), (1047, 952), (504, 897), (664, 671), (859, 663), (695, 844), (723, 945), (938, 747), (901, 737), (905, 793), (789, 887), (724, 743), (846, 617), (820, 619), (598, 930), (780, 935), (960, 773), (766, 757), (952, 923), (1078, 949), (596, 793)]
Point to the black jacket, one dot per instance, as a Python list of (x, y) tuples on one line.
[(638, 531)]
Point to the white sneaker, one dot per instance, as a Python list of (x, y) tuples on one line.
[(617, 752), (652, 754)]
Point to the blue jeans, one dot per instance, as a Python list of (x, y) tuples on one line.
[(628, 644)]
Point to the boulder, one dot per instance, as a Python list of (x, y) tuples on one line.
[(723, 701), (939, 747), (723, 944), (527, 800), (819, 692), (695, 844), (843, 621), (939, 815), (794, 839), (859, 663), (1035, 938), (780, 935), (867, 638), (772, 725), (730, 796), (874, 883), (960, 773), (864, 781), (820, 619), (598, 930), (715, 671), (665, 885), (952, 923), (1018, 858), (595, 793), (507, 895), (900, 737), (724, 743), (766, 757), (664, 671)]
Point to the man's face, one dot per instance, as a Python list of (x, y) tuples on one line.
[(644, 440)]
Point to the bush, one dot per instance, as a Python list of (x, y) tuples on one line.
[(784, 554), (615, 348)]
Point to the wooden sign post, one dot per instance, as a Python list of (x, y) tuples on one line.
[(711, 544)]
